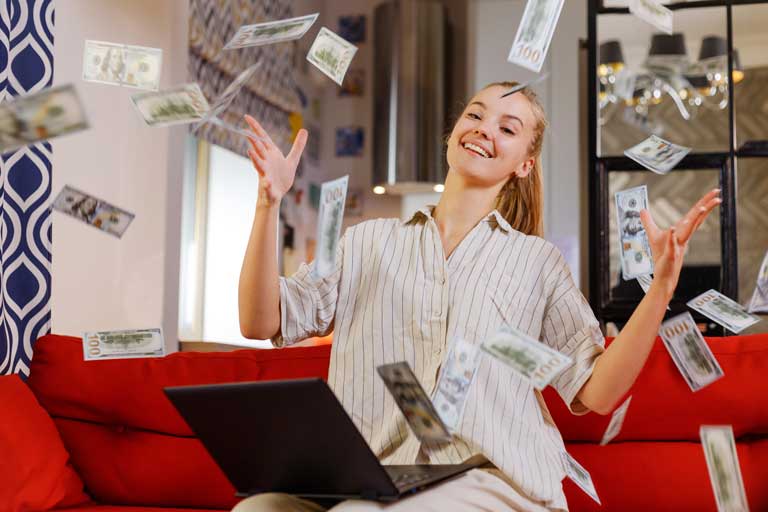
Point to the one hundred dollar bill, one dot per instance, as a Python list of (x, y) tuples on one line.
[(333, 195), (580, 476), (178, 105), (121, 64), (657, 154), (759, 301), (726, 312), (651, 11), (520, 87), (535, 33), (221, 103), (414, 403), (455, 379), (690, 351), (271, 32), (635, 249), (331, 54), (123, 344), (723, 466), (617, 421), (41, 116), (532, 359), (93, 211)]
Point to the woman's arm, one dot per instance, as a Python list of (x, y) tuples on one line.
[(617, 368), (259, 287)]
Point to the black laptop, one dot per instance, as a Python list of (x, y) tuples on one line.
[(294, 437)]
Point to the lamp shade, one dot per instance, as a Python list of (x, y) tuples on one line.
[(610, 53), (713, 46), (667, 45), (698, 81)]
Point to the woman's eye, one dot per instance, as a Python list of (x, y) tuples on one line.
[(507, 131), (472, 115)]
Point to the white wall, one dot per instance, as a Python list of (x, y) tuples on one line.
[(493, 24), (349, 111), (98, 281)]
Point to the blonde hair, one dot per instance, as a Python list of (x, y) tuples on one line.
[(521, 200)]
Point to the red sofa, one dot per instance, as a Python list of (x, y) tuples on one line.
[(106, 427)]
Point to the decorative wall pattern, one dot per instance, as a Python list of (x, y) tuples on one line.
[(270, 96), (26, 66)]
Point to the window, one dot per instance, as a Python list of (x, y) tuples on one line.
[(220, 192)]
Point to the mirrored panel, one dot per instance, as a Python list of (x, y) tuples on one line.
[(674, 86), (669, 198), (752, 219), (750, 39)]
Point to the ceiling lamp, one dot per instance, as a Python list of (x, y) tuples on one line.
[(666, 72)]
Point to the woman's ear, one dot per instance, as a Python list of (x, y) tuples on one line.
[(526, 167)]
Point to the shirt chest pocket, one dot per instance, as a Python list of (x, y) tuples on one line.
[(501, 291)]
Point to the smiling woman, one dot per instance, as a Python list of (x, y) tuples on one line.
[(462, 269)]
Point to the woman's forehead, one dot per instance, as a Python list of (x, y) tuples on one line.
[(516, 105)]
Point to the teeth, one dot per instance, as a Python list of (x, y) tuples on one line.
[(476, 149)]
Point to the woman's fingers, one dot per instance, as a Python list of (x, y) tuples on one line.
[(690, 225), (672, 243), (258, 146), (649, 224), (256, 163), (298, 146), (258, 130)]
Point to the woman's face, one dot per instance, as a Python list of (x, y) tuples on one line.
[(490, 141)]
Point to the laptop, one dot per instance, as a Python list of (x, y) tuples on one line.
[(294, 437)]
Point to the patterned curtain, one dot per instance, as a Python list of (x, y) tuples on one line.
[(26, 66), (270, 96)]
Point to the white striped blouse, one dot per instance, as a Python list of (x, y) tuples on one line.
[(394, 297)]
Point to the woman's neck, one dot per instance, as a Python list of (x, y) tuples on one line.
[(461, 207)]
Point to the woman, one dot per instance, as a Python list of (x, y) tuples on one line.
[(464, 268)]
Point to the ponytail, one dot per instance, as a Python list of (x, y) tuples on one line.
[(521, 200)]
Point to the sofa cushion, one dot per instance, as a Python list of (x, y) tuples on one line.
[(126, 439), (136, 467), (35, 473), (635, 477), (117, 508), (96, 391), (664, 408)]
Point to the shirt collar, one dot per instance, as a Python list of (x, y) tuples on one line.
[(495, 219)]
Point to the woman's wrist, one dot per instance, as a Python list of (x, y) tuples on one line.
[(661, 291)]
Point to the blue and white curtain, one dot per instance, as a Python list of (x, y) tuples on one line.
[(26, 66)]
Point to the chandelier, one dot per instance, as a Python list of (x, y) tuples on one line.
[(667, 72)]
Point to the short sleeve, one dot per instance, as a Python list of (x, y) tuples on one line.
[(570, 327), (308, 303)]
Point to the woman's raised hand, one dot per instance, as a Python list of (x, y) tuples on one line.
[(276, 171), (668, 246)]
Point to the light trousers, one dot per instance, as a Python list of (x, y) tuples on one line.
[(477, 490)]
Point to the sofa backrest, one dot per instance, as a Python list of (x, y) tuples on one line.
[(125, 438), (664, 408), (114, 417)]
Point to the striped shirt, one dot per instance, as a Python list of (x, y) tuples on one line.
[(394, 297)]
